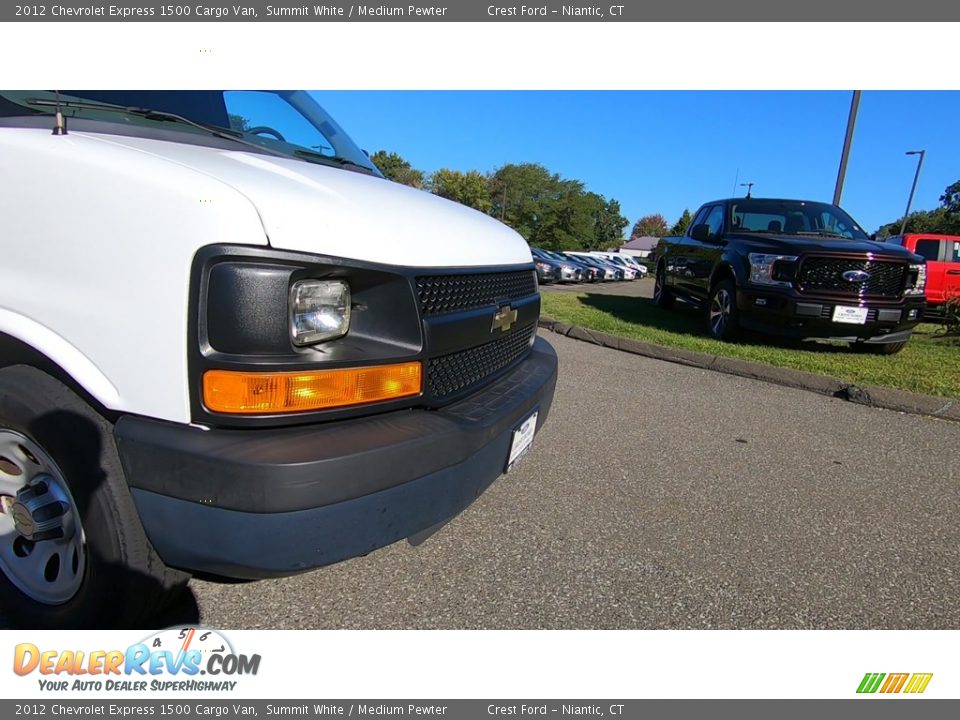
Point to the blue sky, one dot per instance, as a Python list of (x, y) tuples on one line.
[(664, 151)]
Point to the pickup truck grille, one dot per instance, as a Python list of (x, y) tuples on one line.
[(440, 294), (825, 274), (457, 371)]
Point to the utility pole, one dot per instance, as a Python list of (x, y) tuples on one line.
[(847, 142), (913, 189)]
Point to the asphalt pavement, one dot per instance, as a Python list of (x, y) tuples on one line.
[(663, 496), (627, 288)]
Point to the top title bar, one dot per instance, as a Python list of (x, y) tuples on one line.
[(731, 11)]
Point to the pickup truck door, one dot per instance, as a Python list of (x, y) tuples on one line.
[(951, 286), (933, 250), (679, 262), (705, 254)]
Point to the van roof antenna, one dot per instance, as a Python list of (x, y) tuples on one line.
[(60, 123)]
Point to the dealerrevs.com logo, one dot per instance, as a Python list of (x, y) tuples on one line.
[(173, 659), (910, 683)]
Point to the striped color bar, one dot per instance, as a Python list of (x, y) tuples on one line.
[(918, 683), (870, 682), (894, 683)]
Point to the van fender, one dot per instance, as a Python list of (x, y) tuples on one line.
[(61, 352)]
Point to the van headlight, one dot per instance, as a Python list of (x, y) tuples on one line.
[(319, 311), (916, 279)]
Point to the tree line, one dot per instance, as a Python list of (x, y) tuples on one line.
[(656, 225), (547, 210), (943, 220)]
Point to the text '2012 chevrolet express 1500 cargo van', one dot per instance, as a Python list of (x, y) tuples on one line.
[(228, 346)]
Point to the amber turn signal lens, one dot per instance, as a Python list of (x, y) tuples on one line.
[(252, 393)]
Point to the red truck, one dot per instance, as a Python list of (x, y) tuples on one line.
[(943, 265)]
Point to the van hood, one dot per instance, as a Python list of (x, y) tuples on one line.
[(324, 210)]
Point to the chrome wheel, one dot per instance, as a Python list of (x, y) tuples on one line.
[(662, 295), (42, 545), (720, 309)]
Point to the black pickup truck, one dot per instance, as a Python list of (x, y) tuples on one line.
[(792, 267)]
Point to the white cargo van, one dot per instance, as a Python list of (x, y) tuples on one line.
[(229, 346)]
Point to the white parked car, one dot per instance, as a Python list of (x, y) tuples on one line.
[(629, 272), (228, 345), (623, 260), (610, 271)]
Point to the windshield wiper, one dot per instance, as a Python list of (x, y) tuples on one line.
[(822, 233), (334, 160), (215, 130), (158, 115)]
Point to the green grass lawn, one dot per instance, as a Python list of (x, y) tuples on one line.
[(929, 364)]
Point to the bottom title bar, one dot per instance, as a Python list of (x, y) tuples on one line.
[(477, 709)]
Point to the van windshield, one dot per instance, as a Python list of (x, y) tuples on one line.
[(280, 122)]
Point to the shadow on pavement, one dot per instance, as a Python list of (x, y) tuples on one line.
[(182, 610)]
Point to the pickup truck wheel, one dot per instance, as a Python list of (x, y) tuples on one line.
[(722, 317), (72, 550), (880, 348), (662, 297)]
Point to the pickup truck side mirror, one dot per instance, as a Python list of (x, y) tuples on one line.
[(701, 232)]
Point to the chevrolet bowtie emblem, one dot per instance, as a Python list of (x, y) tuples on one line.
[(505, 317)]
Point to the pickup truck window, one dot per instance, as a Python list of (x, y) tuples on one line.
[(929, 249), (794, 217), (715, 219), (831, 223), (699, 219)]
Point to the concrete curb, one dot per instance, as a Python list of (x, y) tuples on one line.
[(870, 395)]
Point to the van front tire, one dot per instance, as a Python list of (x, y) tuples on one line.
[(73, 553)]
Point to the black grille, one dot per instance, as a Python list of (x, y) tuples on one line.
[(448, 374), (826, 275), (451, 293)]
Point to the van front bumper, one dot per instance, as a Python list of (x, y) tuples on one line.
[(271, 502)]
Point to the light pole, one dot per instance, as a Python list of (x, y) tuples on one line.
[(847, 142), (916, 177), (749, 187)]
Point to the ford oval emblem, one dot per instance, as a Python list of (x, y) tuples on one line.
[(856, 276)]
